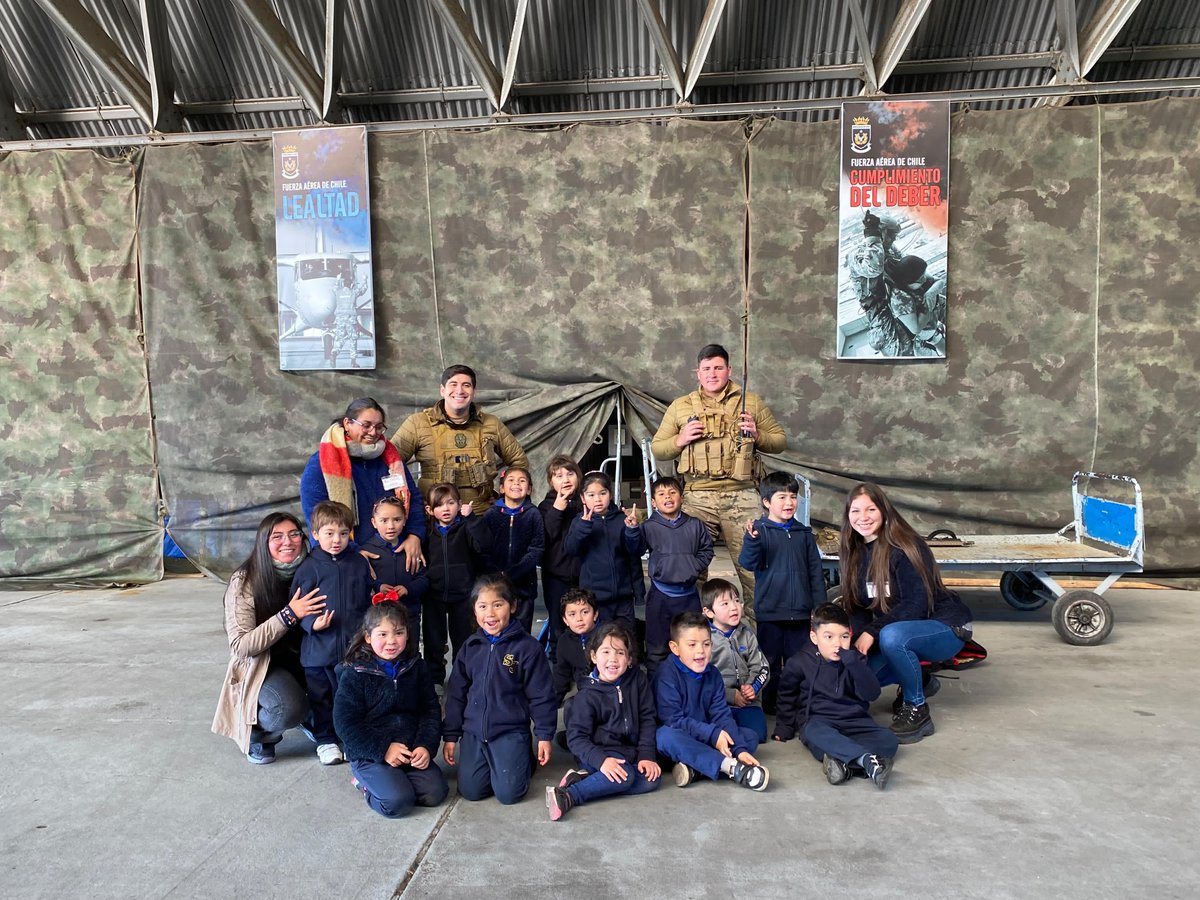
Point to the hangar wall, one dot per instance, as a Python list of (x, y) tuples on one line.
[(582, 268)]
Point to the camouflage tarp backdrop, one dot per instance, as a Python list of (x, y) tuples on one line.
[(582, 268), (78, 491)]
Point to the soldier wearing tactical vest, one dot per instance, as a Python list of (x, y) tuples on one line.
[(458, 443), (714, 441)]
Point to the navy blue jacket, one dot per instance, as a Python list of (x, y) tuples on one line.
[(497, 685), (571, 664), (518, 541), (680, 548), (814, 687), (455, 559), (613, 719), (694, 703), (390, 569), (906, 596), (788, 579), (607, 569), (373, 710), (367, 475), (345, 580), (556, 560)]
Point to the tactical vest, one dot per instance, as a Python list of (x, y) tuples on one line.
[(720, 452), (464, 457)]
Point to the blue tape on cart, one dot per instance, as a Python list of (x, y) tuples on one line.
[(1109, 521)]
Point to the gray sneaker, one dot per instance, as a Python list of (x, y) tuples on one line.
[(836, 771)]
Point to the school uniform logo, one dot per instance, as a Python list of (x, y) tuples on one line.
[(510, 662)]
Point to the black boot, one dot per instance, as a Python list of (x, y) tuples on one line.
[(912, 723), (930, 684)]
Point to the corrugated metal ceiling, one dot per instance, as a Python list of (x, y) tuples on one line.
[(401, 61)]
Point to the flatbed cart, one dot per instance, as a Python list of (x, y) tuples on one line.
[(1108, 537)]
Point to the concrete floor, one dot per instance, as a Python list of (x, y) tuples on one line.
[(1055, 771)]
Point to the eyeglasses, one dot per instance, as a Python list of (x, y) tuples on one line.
[(278, 538), (371, 426)]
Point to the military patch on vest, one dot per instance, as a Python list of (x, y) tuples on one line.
[(460, 440), (509, 662)]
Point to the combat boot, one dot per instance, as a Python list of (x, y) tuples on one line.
[(912, 723)]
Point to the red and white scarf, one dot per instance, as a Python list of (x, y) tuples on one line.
[(335, 468)]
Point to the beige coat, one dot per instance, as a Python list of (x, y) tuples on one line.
[(249, 645)]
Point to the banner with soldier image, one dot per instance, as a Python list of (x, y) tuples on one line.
[(895, 180), (323, 249)]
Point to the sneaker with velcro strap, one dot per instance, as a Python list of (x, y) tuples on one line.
[(330, 754), (878, 768), (753, 777)]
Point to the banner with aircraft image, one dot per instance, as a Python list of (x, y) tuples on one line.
[(323, 249)]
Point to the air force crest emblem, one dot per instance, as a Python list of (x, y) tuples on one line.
[(860, 134), (289, 160)]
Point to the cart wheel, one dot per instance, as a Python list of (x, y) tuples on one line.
[(1082, 618), (1023, 591), (834, 594)]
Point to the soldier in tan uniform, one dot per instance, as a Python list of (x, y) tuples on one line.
[(458, 443), (715, 445)]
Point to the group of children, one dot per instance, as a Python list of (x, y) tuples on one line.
[(696, 700)]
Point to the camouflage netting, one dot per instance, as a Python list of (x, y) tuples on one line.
[(582, 268), (78, 493)]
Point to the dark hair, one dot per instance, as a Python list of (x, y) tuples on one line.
[(666, 481), (616, 630), (357, 405), (774, 482), (714, 589), (266, 586), (450, 371), (330, 512), (497, 582), (829, 614), (440, 493), (524, 471), (384, 611), (387, 500), (593, 477), (686, 620), (893, 532), (577, 595), (712, 351), (562, 461)]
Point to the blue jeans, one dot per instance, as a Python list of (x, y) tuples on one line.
[(393, 791), (597, 785), (902, 646), (501, 766), (282, 704)]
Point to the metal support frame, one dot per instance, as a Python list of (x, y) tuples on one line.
[(662, 42), (335, 51), (702, 44), (11, 127), (93, 42), (157, 41), (275, 39), (1097, 37), (899, 36), (1068, 30), (462, 32), (858, 26), (514, 47)]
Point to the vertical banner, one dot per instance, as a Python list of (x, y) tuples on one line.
[(892, 236), (323, 249)]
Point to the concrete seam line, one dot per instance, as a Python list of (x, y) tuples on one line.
[(420, 857)]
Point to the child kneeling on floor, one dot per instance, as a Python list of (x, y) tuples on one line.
[(698, 730), (388, 716), (824, 694), (499, 682), (611, 727)]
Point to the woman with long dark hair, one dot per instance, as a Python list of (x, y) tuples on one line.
[(263, 694), (901, 609)]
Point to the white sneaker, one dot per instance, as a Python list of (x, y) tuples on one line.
[(330, 754)]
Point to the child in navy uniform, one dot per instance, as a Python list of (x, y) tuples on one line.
[(697, 729), (499, 682), (611, 728), (824, 694), (388, 716), (391, 567), (736, 655), (680, 551), (456, 549), (574, 665), (345, 579), (518, 539), (607, 568), (560, 570), (788, 579)]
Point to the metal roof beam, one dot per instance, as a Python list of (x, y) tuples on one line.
[(335, 46), (514, 47), (155, 36), (275, 39), (102, 51), (858, 25), (1097, 37), (899, 36), (462, 32), (1068, 30), (662, 41), (11, 128), (702, 44)]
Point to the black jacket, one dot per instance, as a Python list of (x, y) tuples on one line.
[(372, 710), (556, 560), (571, 664), (455, 559), (391, 568), (518, 542), (812, 686), (607, 569), (613, 719)]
